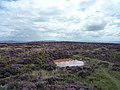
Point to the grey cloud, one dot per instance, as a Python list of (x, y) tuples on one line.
[(116, 24), (41, 19), (95, 26), (86, 4), (41, 23), (51, 11)]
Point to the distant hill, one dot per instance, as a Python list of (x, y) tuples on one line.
[(11, 41)]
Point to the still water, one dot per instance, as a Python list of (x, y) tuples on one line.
[(65, 63)]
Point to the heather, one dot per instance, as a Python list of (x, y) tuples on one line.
[(30, 66)]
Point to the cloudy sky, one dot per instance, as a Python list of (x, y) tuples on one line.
[(64, 20)]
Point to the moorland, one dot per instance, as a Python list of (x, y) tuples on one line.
[(30, 66)]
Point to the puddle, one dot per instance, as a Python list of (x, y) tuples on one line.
[(68, 62)]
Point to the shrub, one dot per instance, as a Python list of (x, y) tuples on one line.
[(21, 86), (49, 66)]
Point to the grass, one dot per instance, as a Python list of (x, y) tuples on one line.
[(112, 78), (102, 76)]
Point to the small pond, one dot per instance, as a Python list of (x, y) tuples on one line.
[(68, 62)]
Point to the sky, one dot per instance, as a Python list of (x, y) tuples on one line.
[(60, 20)]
